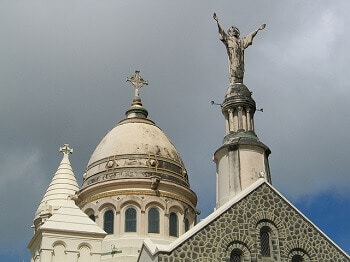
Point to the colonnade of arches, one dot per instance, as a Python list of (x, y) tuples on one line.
[(154, 218)]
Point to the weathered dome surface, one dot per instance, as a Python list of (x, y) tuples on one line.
[(135, 148), (134, 160), (238, 90), (135, 137)]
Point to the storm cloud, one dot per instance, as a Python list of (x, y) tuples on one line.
[(63, 66)]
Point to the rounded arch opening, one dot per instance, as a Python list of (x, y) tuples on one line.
[(173, 224), (236, 255), (130, 224), (237, 251), (153, 220), (108, 221)]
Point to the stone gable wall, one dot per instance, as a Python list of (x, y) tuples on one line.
[(239, 226)]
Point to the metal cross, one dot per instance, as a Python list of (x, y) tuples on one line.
[(137, 82), (66, 150)]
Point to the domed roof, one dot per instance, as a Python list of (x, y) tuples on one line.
[(135, 136), (238, 90), (135, 149)]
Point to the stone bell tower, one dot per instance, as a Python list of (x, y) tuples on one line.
[(242, 159)]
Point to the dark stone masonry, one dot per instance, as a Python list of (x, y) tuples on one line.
[(291, 236)]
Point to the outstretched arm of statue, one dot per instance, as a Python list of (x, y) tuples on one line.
[(248, 40), (221, 31), (257, 30)]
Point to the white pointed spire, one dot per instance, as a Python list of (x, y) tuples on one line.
[(63, 185)]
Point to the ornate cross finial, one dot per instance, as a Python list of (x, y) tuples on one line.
[(66, 150), (137, 82)]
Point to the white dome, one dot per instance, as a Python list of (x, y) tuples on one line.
[(135, 148), (130, 137)]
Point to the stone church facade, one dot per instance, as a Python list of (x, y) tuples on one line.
[(259, 225)]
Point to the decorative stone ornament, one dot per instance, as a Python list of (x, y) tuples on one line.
[(110, 164), (153, 162), (66, 150), (155, 182), (137, 81)]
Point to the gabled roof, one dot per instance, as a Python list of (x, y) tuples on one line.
[(154, 249)]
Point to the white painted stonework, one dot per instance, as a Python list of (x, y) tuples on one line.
[(135, 166), (237, 168), (63, 232)]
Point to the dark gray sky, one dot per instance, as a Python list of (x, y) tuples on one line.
[(63, 66)]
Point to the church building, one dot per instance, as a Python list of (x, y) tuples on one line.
[(136, 204)]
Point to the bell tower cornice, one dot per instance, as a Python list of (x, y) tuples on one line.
[(238, 109)]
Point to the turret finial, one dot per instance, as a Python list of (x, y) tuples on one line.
[(66, 150)]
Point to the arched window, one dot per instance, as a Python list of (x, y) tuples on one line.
[(130, 220), (187, 225), (237, 251), (265, 241), (173, 225), (153, 220), (298, 255), (92, 217), (297, 258), (108, 222), (236, 255)]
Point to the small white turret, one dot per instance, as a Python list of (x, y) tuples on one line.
[(57, 216), (62, 187)]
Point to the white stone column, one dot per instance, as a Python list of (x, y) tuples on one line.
[(240, 120), (235, 120), (166, 224), (181, 224), (117, 223), (252, 123), (249, 126), (227, 124), (230, 118), (143, 229), (244, 119)]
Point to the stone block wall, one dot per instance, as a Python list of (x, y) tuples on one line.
[(238, 228)]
